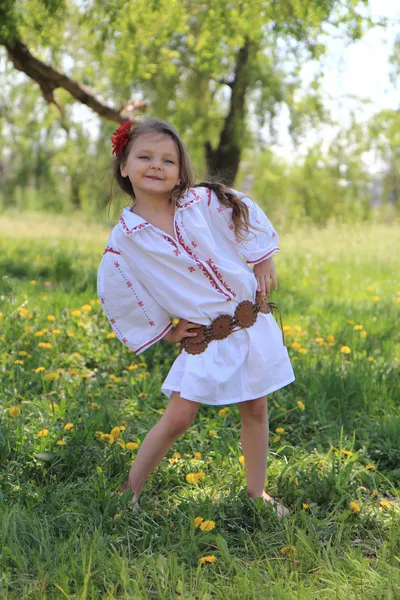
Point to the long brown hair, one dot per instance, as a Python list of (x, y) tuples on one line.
[(226, 196)]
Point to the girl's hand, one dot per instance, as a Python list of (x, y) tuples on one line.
[(264, 271), (181, 330)]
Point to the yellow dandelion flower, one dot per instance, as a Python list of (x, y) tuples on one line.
[(115, 431), (201, 474), (61, 443), (374, 493), (297, 327), (177, 455), (142, 395), (33, 282), (288, 549), (303, 350), (300, 405), (296, 345), (224, 412), (117, 515), (131, 446), (347, 452), (23, 312), (19, 362), (319, 340), (51, 376), (363, 335), (94, 405), (330, 338), (28, 329), (385, 505), (110, 335), (241, 459), (51, 318), (370, 468), (133, 367), (208, 559), (306, 506), (68, 426), (56, 331), (371, 359), (39, 369), (86, 308), (288, 330), (39, 333), (197, 455), (70, 334), (345, 350), (398, 299), (14, 411), (279, 430), (76, 313), (212, 433), (46, 345), (114, 378), (43, 433), (197, 521), (207, 525), (276, 439), (192, 478), (357, 327), (22, 353), (376, 298), (355, 507)]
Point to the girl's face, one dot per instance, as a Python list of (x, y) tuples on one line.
[(152, 164)]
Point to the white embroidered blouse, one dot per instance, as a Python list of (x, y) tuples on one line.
[(146, 277)]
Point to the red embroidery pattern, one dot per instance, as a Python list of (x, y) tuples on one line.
[(196, 198), (191, 269), (128, 231), (147, 344), (140, 303), (109, 249), (170, 241), (219, 275), (200, 264)]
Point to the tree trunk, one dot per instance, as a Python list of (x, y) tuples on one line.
[(223, 161)]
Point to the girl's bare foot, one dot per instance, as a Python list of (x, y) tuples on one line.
[(281, 510), (124, 487)]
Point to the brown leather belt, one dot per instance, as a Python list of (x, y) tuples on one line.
[(245, 315)]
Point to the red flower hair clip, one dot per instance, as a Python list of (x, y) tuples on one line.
[(120, 138)]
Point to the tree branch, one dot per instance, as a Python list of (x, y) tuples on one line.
[(50, 79)]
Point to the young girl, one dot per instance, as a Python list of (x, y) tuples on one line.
[(184, 250)]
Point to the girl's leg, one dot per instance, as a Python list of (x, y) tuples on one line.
[(254, 437), (178, 416)]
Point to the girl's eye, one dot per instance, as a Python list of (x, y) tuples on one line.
[(143, 157)]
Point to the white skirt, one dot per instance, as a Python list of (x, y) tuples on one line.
[(248, 364)]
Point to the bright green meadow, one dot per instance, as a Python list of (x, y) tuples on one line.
[(76, 404)]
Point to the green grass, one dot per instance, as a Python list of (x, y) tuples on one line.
[(66, 533)]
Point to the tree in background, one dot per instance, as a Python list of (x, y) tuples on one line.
[(197, 64)]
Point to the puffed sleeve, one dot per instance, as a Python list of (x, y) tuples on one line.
[(136, 318), (256, 245)]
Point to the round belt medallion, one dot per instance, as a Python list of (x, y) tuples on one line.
[(245, 314), (221, 327)]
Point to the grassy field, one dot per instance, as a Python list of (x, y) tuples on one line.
[(75, 405)]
